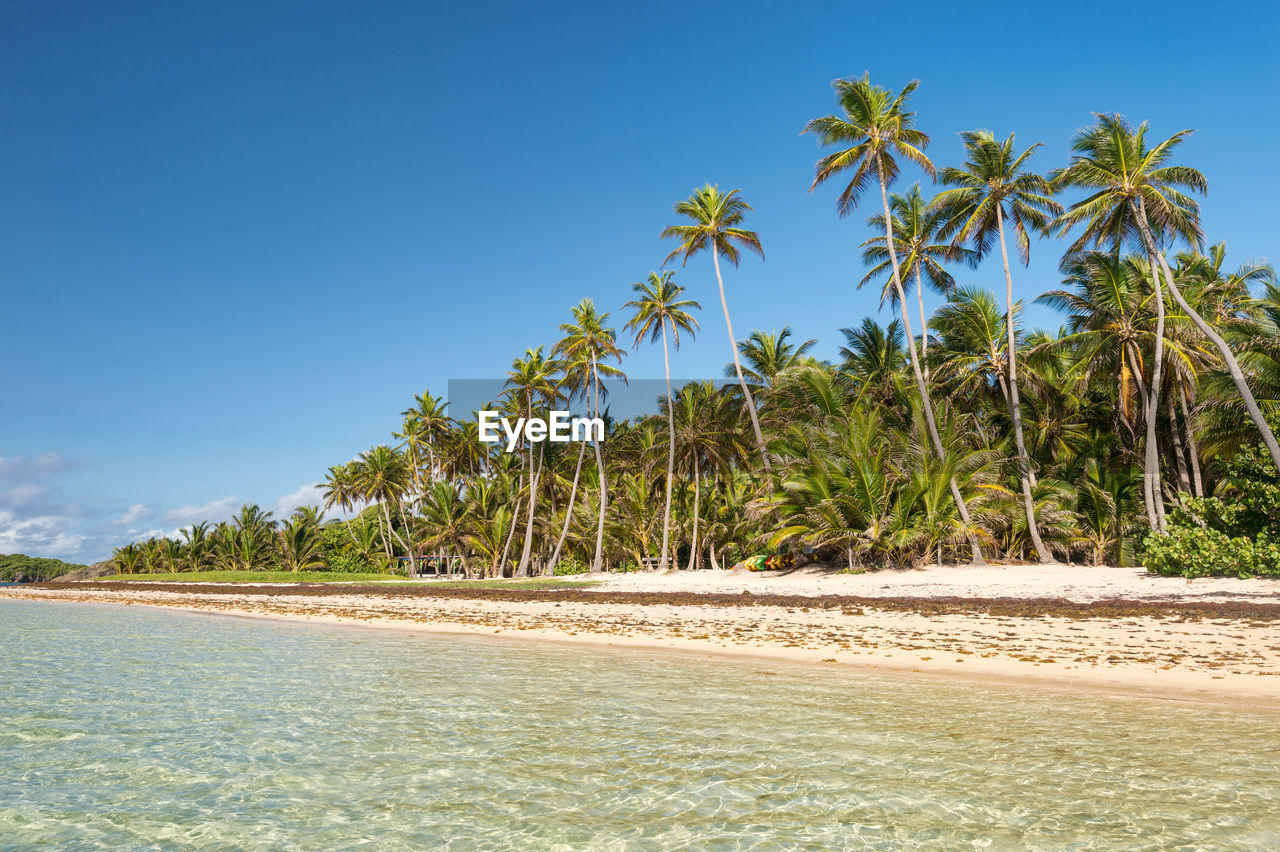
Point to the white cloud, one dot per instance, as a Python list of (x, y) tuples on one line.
[(213, 512), (135, 513), (304, 495), (26, 468)]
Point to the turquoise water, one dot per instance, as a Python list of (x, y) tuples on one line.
[(136, 728)]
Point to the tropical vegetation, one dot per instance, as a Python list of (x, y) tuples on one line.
[(1140, 431)]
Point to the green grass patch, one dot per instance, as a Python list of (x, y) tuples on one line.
[(337, 577)]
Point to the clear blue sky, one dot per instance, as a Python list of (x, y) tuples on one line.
[(236, 238)]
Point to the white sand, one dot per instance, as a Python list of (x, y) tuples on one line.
[(1081, 583)]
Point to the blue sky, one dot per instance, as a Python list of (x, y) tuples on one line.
[(237, 238)]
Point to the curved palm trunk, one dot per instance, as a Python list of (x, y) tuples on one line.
[(1015, 404), (511, 534), (568, 515), (413, 562), (1151, 454), (671, 454), (1135, 369), (382, 531), (927, 403), (1228, 357), (737, 363), (596, 564)]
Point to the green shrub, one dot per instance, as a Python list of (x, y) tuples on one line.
[(1236, 534), (570, 565), (346, 563)]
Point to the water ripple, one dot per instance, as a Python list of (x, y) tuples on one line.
[(145, 729)]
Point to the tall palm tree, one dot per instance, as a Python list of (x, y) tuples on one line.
[(916, 225), (587, 347), (340, 489), (716, 218), (1133, 188), (991, 187), (878, 128), (382, 476), (532, 380), (659, 308)]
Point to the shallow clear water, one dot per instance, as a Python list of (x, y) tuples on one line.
[(138, 728)]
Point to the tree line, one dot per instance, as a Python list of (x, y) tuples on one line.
[(1137, 431)]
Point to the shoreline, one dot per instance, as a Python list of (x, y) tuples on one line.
[(1226, 653)]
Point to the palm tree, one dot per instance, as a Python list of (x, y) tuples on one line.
[(994, 185), (382, 477), (872, 357), (716, 219), (588, 344), (659, 308), (1134, 187), (299, 543), (532, 379), (250, 536), (916, 225), (127, 559), (878, 128), (340, 490), (768, 353), (198, 546), (449, 516)]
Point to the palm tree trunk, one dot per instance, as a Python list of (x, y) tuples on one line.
[(924, 322), (500, 565), (697, 492), (737, 363), (1148, 491), (1151, 456), (927, 403), (413, 563), (1015, 404), (1179, 450), (1193, 450), (671, 454), (523, 567), (596, 565), (568, 515), (386, 539), (1228, 357)]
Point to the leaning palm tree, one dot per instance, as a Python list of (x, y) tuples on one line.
[(916, 225), (878, 128), (659, 308), (716, 219), (1135, 189), (991, 187), (588, 344)]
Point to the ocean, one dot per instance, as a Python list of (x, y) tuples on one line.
[(136, 728)]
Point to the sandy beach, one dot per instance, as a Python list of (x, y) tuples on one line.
[(1113, 629)]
